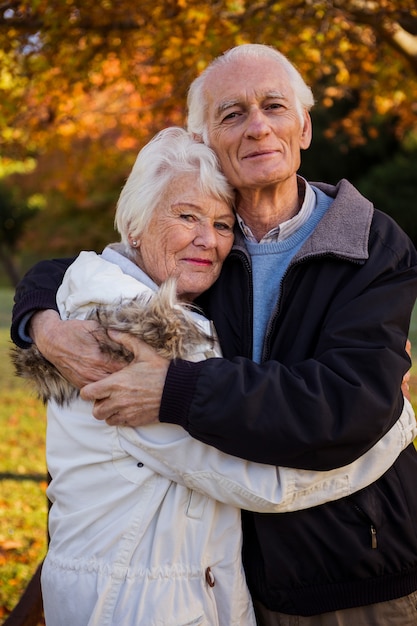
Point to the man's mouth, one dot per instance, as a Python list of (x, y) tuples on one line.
[(259, 153)]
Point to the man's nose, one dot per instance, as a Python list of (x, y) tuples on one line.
[(257, 124)]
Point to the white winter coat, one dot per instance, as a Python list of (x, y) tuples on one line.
[(145, 523)]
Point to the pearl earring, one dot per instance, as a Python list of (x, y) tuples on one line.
[(134, 243)]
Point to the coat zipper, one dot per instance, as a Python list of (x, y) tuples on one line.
[(242, 256), (372, 527), (374, 543)]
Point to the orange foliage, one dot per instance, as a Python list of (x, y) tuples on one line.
[(83, 85)]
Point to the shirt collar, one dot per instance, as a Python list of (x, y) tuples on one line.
[(289, 227)]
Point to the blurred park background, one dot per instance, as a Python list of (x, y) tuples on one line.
[(84, 84)]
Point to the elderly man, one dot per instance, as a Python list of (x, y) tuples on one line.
[(312, 309)]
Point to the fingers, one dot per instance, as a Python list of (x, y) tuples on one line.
[(133, 395), (405, 386), (103, 396), (129, 397), (94, 392), (408, 347), (137, 347)]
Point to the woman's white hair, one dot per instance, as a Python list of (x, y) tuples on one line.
[(172, 152), (198, 102)]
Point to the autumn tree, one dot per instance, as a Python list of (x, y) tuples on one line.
[(14, 215), (84, 84)]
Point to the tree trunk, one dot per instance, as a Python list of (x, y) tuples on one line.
[(9, 265)]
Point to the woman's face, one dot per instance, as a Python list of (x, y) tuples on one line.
[(189, 236)]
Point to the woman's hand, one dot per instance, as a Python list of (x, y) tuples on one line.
[(73, 347), (132, 396)]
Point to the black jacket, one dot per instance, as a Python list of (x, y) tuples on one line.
[(328, 388)]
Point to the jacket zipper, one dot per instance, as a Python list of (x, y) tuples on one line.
[(372, 527), (242, 257), (374, 543), (277, 310), (298, 260)]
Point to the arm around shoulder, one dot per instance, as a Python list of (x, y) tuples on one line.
[(36, 292)]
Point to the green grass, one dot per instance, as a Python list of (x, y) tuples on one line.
[(6, 303), (23, 508)]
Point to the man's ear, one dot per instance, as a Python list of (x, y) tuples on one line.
[(197, 137), (307, 132)]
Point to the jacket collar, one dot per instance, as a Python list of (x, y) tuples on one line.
[(344, 229)]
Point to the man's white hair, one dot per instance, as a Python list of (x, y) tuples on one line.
[(172, 152), (198, 102)]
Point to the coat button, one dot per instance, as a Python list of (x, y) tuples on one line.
[(210, 578)]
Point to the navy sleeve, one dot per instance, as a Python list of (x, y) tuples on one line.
[(35, 292)]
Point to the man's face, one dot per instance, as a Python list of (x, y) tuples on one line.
[(253, 124)]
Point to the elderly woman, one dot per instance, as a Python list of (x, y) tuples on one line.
[(145, 523)]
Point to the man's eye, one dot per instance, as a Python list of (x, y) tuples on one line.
[(187, 217), (230, 116)]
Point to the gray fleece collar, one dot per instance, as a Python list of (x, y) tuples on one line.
[(343, 230)]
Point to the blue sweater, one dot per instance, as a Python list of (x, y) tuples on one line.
[(269, 264)]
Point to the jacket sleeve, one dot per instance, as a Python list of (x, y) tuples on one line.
[(35, 292), (331, 387), (171, 452)]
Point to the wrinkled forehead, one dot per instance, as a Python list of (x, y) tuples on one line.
[(188, 188), (243, 80), (258, 95)]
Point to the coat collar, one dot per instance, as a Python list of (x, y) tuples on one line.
[(344, 229)]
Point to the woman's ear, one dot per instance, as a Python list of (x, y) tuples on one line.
[(133, 241)]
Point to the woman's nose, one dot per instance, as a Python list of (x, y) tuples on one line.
[(206, 236)]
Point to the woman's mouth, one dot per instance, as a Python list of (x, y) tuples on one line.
[(200, 262)]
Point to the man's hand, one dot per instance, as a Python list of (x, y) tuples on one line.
[(405, 387), (73, 347), (133, 395)]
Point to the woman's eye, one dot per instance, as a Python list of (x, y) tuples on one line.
[(223, 226), (187, 217)]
